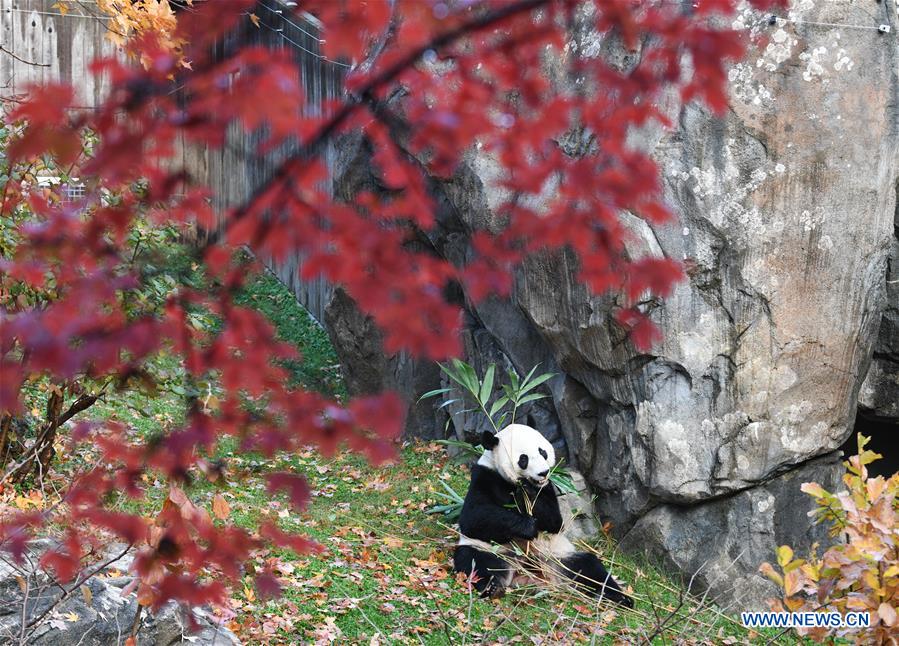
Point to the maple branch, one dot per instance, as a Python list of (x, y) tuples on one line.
[(78, 584), (284, 171), (82, 403), (22, 60)]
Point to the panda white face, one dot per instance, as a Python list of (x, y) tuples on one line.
[(519, 452)]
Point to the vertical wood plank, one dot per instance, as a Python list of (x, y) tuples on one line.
[(8, 36)]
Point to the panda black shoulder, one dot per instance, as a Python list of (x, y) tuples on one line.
[(490, 482)]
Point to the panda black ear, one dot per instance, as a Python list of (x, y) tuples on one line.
[(488, 440)]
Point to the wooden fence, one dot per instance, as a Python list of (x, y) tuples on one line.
[(42, 45)]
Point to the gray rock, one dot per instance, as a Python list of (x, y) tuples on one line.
[(718, 546), (786, 217), (879, 395), (368, 370), (95, 614), (579, 520)]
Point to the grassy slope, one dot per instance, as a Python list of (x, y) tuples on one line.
[(385, 575)]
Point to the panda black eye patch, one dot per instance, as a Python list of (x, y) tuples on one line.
[(523, 461), (542, 452)]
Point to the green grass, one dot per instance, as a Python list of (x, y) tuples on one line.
[(386, 568), (385, 574), (319, 368)]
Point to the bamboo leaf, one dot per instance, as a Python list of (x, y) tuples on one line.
[(463, 374), (434, 393), (498, 405), (529, 375), (452, 374), (563, 481), (513, 378), (452, 492), (536, 382), (464, 447), (531, 397), (471, 379), (487, 385)]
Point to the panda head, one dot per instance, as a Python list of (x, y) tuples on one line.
[(518, 453)]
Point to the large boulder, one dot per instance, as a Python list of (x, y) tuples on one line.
[(100, 612), (696, 450), (879, 394)]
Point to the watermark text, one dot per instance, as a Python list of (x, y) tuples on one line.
[(805, 620)]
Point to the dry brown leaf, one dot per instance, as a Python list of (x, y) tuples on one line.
[(220, 507), (87, 595)]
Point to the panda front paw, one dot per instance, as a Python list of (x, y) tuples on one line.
[(493, 589), (528, 528)]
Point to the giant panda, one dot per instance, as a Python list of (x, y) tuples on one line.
[(510, 478)]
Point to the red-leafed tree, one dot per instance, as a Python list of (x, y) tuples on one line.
[(473, 72)]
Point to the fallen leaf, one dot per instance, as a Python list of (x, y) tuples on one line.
[(888, 614), (87, 595), (220, 507)]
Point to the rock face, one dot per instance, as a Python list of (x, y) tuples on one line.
[(879, 395), (786, 220), (720, 540), (96, 614)]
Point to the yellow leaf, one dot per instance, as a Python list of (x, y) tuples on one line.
[(784, 555), (61, 7), (220, 507), (87, 595), (870, 577), (71, 617), (813, 489), (248, 594), (255, 19), (793, 565)]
